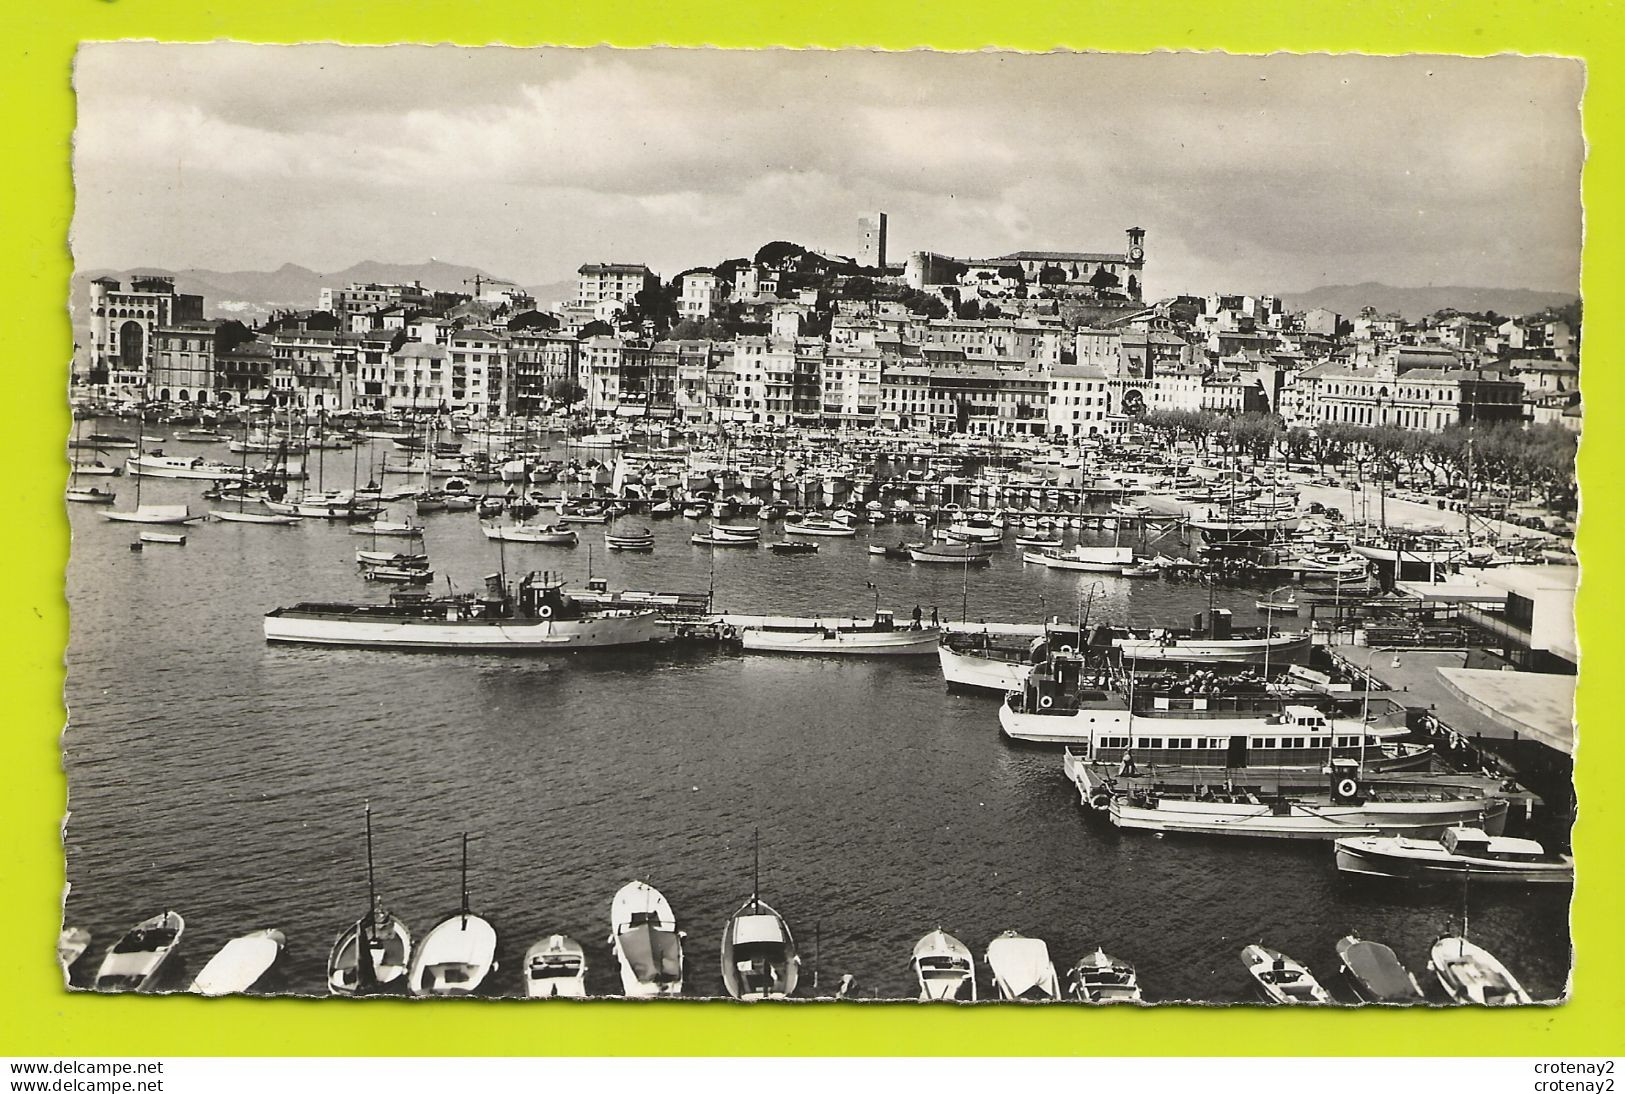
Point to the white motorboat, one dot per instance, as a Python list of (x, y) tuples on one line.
[(136, 960), (1098, 560), (94, 469), (945, 969), (647, 944), (240, 964), (1471, 974), (174, 539), (818, 526), (1021, 968), (951, 554), (878, 637), (556, 967), (1460, 853), (393, 558), (181, 467), (153, 514), (1101, 978), (457, 954), (1280, 978), (708, 539), (735, 531), (553, 534)]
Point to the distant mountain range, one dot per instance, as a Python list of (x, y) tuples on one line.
[(1415, 303)]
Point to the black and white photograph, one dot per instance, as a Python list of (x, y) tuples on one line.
[(822, 525)]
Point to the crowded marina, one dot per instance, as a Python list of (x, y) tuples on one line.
[(1219, 716)]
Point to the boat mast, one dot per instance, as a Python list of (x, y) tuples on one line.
[(465, 881), (756, 869)]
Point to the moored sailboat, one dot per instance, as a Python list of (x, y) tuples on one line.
[(759, 959), (458, 953), (372, 954)]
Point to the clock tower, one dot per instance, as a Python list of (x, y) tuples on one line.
[(1136, 245)]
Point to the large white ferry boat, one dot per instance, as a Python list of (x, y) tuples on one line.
[(541, 617)]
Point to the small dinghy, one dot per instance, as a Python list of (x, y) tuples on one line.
[(1280, 978), (136, 960), (704, 539), (240, 964), (1471, 974), (552, 534), (787, 547), (1144, 569), (945, 969), (647, 944), (1101, 978), (759, 959), (457, 955), (71, 945), (176, 539), (1021, 968), (556, 967), (1376, 975)]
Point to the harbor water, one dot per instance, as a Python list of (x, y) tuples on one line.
[(226, 779)]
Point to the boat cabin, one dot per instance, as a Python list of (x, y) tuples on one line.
[(1475, 843)]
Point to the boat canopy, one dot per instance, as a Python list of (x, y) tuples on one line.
[(654, 955), (1021, 964), (1376, 965), (750, 929)]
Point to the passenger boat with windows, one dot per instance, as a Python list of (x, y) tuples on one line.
[(156, 465), (537, 615), (556, 535), (1096, 560), (1458, 854)]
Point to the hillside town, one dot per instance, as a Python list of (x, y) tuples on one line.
[(1034, 343)]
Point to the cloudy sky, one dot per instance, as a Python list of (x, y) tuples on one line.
[(1262, 174)]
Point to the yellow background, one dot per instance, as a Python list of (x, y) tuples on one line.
[(38, 1018)]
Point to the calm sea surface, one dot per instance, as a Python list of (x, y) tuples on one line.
[(225, 778)]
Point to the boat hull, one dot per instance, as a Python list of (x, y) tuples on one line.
[(1298, 819), (1373, 862), (1281, 650), (833, 642), (966, 670), (618, 629)]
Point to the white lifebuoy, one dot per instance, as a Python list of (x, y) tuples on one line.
[(545, 611), (1045, 703), (1100, 800), (1347, 788), (1067, 651)]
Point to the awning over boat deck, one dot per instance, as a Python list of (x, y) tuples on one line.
[(1020, 963), (1539, 705), (757, 928), (653, 954), (1376, 966)]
